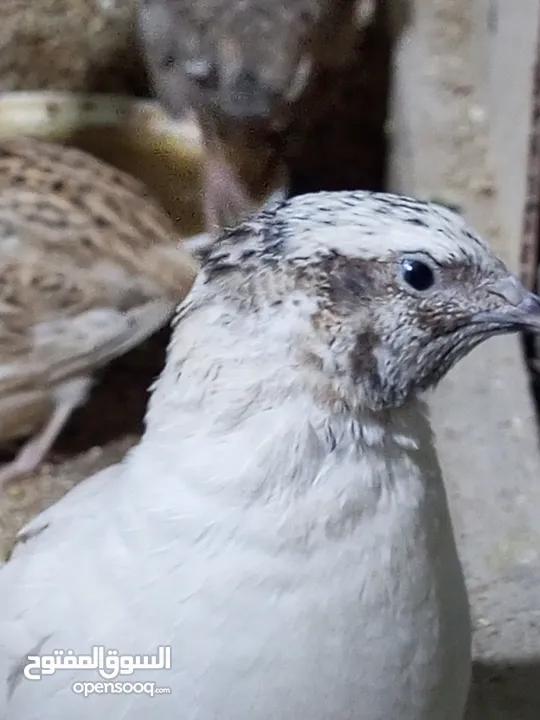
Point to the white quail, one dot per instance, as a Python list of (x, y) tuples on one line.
[(283, 524)]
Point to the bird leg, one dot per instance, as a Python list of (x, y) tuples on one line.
[(67, 397)]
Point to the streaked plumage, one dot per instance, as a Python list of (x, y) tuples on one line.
[(90, 265)]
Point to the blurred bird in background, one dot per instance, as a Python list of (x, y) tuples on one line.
[(90, 265), (259, 75)]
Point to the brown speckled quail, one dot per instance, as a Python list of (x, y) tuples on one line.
[(90, 265), (259, 74)]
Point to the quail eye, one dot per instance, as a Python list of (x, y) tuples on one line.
[(417, 274)]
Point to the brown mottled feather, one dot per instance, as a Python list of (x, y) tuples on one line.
[(89, 266), (77, 45)]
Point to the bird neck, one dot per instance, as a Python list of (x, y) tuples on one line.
[(244, 427)]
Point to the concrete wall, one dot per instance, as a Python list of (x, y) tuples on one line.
[(459, 125), (503, 50)]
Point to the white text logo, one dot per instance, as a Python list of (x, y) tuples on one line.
[(109, 664), (115, 688)]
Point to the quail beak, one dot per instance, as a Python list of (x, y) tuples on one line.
[(517, 308)]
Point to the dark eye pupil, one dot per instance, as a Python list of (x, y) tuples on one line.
[(417, 274)]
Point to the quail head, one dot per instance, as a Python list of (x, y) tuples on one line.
[(404, 288)]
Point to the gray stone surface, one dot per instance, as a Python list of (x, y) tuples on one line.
[(483, 412)]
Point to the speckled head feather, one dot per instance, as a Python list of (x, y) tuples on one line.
[(359, 225), (379, 294)]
